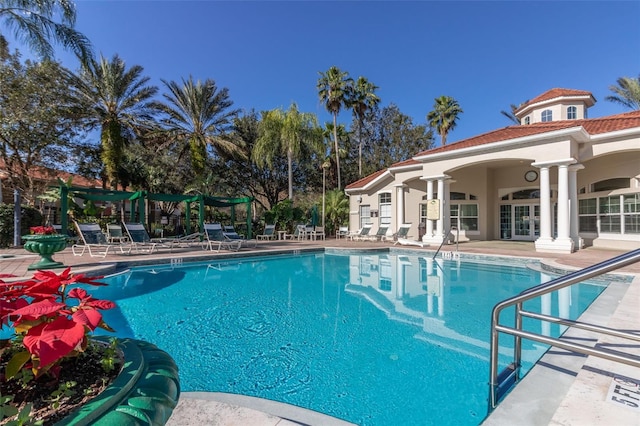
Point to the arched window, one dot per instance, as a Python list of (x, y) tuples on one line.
[(611, 184), (547, 115), (572, 113)]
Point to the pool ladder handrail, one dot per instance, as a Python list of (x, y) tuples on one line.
[(500, 383), (446, 235)]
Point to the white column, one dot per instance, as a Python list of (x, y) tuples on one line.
[(429, 227), (399, 206), (563, 201), (574, 218), (440, 221), (545, 205), (562, 242)]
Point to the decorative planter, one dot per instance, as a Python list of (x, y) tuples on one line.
[(145, 392), (45, 246)]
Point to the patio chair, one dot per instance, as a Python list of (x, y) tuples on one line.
[(94, 241), (298, 233), (231, 235), (378, 236), (318, 232), (214, 237), (342, 231), (140, 240), (268, 234), (362, 234), (114, 234)]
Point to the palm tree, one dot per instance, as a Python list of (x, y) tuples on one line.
[(511, 115), (198, 115), (292, 132), (337, 210), (329, 132), (364, 99), (118, 101), (627, 92), (32, 23), (335, 90), (444, 116)]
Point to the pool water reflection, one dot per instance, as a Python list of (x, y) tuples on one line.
[(374, 339)]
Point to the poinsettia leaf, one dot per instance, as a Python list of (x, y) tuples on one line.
[(81, 278), (89, 317), (16, 363), (25, 325), (7, 275), (101, 304), (41, 308), (78, 293), (43, 275), (103, 325), (56, 340), (44, 289)]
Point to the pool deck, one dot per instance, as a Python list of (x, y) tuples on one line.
[(562, 389)]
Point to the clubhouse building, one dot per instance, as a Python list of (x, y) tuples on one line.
[(559, 179)]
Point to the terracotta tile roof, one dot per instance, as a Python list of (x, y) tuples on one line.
[(47, 174), (365, 180), (552, 94), (593, 126)]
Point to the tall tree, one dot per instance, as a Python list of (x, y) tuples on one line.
[(393, 137), (37, 133), (116, 100), (198, 116), (267, 185), (328, 133), (32, 22), (444, 116), (292, 132), (335, 89), (364, 98), (626, 93)]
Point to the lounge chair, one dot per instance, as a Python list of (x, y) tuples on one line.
[(363, 234), (94, 241), (185, 241), (140, 240), (380, 235), (115, 235), (231, 235), (214, 237), (268, 234), (401, 237)]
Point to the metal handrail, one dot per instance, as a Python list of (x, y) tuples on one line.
[(542, 289), (446, 235)]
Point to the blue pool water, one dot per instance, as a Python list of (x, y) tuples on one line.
[(375, 339)]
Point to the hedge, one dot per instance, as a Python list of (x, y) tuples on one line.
[(28, 217)]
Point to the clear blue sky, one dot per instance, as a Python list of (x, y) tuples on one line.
[(485, 54)]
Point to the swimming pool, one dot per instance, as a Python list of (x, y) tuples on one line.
[(372, 338)]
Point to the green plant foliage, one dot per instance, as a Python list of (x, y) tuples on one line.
[(28, 217), (336, 210), (284, 215)]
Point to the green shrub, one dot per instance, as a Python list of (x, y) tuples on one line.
[(28, 217)]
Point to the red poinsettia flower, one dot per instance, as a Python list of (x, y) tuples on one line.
[(42, 230), (53, 320)]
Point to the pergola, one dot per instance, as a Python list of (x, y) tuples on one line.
[(138, 199)]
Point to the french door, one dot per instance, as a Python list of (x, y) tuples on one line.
[(526, 222)]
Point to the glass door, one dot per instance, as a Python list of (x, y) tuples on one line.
[(526, 222)]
